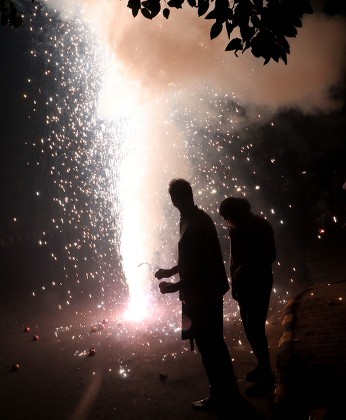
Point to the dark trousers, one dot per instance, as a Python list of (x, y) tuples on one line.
[(208, 334), (253, 312)]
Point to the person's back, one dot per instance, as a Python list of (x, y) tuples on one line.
[(201, 266), (252, 253), (253, 241)]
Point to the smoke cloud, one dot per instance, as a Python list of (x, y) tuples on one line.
[(178, 52)]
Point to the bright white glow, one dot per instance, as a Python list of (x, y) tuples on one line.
[(137, 310)]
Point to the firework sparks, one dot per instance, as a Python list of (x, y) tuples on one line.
[(113, 145)]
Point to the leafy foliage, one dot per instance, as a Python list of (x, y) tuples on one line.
[(263, 26)]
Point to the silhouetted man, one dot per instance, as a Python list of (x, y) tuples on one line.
[(203, 282), (252, 253)]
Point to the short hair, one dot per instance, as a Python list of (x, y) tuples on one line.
[(234, 208), (179, 187)]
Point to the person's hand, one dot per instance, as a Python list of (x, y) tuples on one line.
[(167, 287), (164, 287), (162, 273)]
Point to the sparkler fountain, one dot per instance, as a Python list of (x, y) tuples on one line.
[(115, 143), (107, 165), (129, 113)]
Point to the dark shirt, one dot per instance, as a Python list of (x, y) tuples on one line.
[(252, 242), (252, 253), (200, 262)]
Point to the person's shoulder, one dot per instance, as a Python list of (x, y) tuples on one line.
[(261, 221), (203, 214), (203, 218)]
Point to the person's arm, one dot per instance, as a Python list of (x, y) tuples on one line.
[(167, 287), (164, 273)]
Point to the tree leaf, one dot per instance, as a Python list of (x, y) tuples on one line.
[(229, 28), (203, 6), (258, 4), (215, 30), (154, 7), (134, 4), (296, 21), (166, 12), (242, 12), (176, 3), (211, 15), (146, 13), (234, 44), (247, 32), (135, 12), (290, 30), (285, 46)]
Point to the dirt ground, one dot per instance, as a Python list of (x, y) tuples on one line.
[(82, 363)]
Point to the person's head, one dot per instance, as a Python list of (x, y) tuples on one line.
[(181, 193), (234, 209)]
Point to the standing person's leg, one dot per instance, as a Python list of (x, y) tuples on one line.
[(254, 316), (215, 356)]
